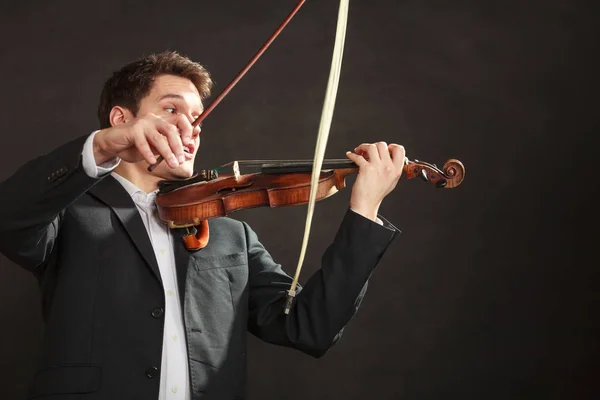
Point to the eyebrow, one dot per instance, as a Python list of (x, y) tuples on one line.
[(171, 96)]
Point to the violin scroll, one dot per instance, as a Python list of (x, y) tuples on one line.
[(450, 176), (454, 171)]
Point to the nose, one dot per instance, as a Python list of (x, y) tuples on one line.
[(190, 119), (196, 131)]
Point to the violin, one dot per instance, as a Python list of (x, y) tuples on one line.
[(241, 185)]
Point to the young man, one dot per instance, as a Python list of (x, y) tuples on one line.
[(129, 312)]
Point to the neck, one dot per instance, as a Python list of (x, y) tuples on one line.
[(141, 179)]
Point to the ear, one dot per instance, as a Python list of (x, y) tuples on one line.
[(119, 115)]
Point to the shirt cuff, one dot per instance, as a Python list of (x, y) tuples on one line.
[(89, 163), (380, 222)]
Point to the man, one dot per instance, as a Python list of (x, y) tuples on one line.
[(129, 312)]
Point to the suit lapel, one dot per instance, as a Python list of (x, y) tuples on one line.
[(110, 192)]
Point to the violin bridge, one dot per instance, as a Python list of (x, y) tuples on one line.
[(236, 170)]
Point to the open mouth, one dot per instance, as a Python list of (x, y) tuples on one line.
[(188, 151)]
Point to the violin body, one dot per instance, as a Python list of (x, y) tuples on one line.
[(278, 183), (187, 206)]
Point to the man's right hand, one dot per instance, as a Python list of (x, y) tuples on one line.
[(145, 138)]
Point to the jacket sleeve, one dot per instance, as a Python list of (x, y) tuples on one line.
[(331, 296), (33, 201)]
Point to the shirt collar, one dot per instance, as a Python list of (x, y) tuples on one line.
[(138, 195)]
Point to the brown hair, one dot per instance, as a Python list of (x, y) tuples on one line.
[(129, 85)]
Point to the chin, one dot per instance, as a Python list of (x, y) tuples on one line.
[(181, 172), (178, 174), (184, 171)]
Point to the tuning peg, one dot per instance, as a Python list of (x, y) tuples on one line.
[(424, 175), (441, 184)]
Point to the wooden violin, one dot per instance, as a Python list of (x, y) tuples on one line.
[(241, 185)]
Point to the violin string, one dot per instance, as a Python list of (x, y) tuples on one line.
[(281, 166), (290, 163)]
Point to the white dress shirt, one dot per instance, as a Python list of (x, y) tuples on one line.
[(174, 374)]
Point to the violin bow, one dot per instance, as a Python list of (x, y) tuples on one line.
[(322, 137), (240, 74), (324, 126)]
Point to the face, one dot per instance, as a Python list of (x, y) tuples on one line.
[(171, 96)]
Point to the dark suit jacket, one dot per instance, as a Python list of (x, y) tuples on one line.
[(103, 299)]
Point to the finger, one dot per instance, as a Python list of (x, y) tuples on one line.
[(398, 155), (357, 159), (370, 150), (171, 132), (160, 142), (144, 149), (384, 151), (185, 129)]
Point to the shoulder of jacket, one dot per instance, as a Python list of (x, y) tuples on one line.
[(226, 223)]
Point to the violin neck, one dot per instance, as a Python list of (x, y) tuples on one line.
[(290, 166)]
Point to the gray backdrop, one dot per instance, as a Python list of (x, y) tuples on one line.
[(486, 295)]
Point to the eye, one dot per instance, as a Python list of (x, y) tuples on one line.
[(170, 110)]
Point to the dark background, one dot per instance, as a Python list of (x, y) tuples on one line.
[(491, 290)]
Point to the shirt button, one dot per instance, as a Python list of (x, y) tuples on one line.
[(152, 372), (157, 312), (170, 292), (174, 389)]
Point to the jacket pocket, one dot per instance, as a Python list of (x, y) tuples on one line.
[(212, 262), (66, 379)]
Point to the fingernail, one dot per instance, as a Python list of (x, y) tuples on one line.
[(173, 161), (181, 159)]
